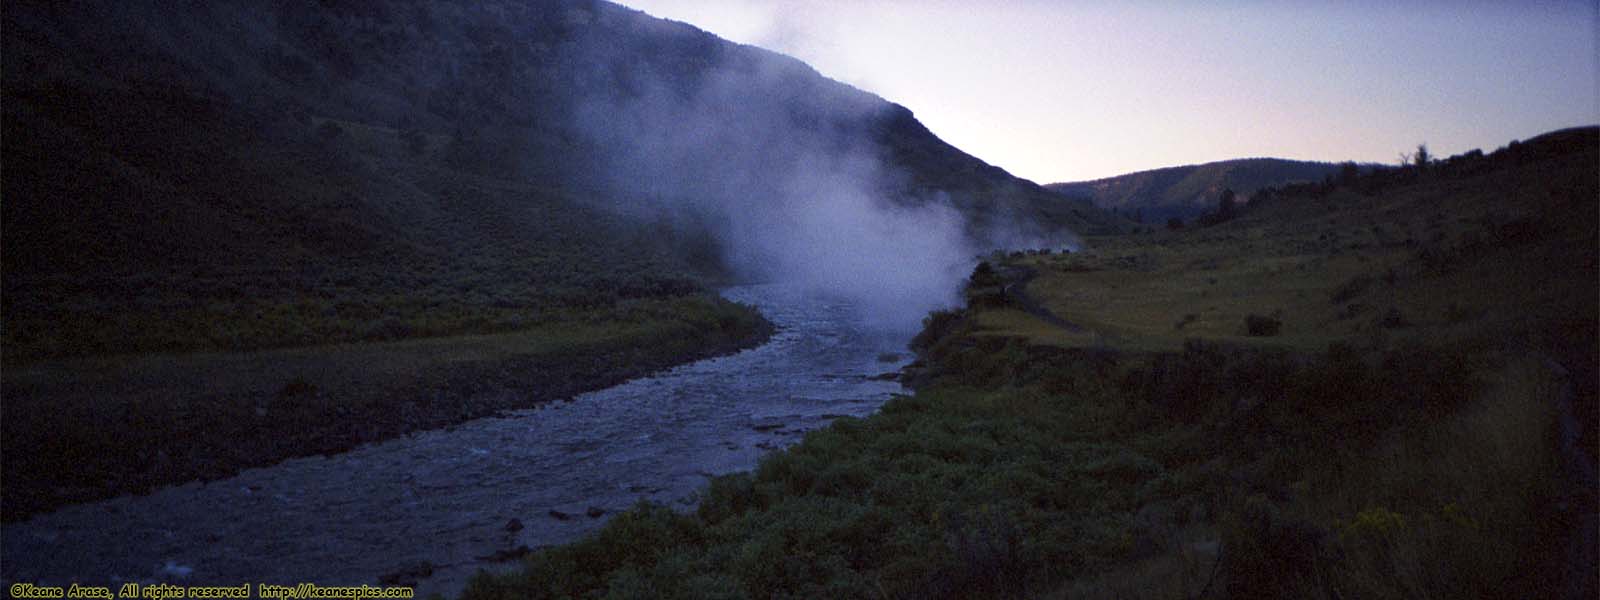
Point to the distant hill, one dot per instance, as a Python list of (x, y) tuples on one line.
[(1184, 192), (164, 160)]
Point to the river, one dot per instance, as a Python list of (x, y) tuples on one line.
[(454, 499)]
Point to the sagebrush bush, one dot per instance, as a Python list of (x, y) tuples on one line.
[(937, 325), (1260, 326), (1184, 385), (1392, 319), (1272, 554), (1349, 290)]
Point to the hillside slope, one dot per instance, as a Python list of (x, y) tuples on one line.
[(179, 161), (1185, 192)]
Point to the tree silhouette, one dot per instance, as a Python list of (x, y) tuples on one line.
[(1227, 206), (1348, 172), (1422, 158)]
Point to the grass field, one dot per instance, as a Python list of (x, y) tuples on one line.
[(1447, 261)]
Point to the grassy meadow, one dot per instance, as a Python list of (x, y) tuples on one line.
[(1444, 260), (1358, 390)]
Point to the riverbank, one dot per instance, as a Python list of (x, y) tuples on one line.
[(1320, 399), (86, 429), (1034, 471), (436, 506)]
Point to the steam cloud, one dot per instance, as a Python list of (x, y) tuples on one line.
[(780, 165)]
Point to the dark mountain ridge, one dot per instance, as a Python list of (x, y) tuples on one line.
[(1186, 191), (503, 81)]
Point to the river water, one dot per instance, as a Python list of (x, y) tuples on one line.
[(448, 497)]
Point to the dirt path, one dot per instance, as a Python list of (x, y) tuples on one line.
[(1017, 293)]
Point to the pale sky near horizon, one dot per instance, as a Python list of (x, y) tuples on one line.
[(1067, 91)]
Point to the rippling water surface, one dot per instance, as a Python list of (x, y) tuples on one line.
[(446, 497)]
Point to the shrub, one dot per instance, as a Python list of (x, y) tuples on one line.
[(297, 387), (984, 276), (1456, 313), (1436, 380), (935, 327), (1392, 319), (1259, 326), (1352, 310), (1378, 522), (1349, 290), (415, 142), (988, 556), (329, 131), (1269, 554), (1517, 232), (1183, 385), (1187, 319), (728, 496)]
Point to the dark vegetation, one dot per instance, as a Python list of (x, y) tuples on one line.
[(1137, 460), (1258, 325)]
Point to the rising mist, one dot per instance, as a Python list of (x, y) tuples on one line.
[(782, 168)]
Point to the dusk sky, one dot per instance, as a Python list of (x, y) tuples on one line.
[(1065, 91)]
